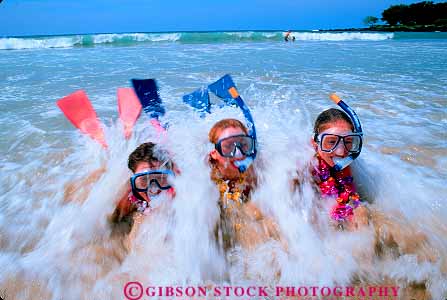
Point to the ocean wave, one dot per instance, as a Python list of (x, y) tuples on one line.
[(112, 38), (36, 43), (342, 36), (182, 37)]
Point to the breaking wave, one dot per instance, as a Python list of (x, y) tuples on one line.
[(119, 39)]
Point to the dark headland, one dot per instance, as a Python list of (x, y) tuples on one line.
[(425, 16)]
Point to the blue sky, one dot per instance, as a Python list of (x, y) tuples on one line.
[(34, 17)]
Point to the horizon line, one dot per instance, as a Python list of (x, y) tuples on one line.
[(181, 31)]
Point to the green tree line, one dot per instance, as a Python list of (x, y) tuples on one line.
[(421, 13)]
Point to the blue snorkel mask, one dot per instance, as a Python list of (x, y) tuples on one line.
[(225, 89), (152, 182), (236, 146), (341, 163)]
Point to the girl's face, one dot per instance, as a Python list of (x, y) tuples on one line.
[(162, 179), (143, 167), (225, 165), (339, 127)]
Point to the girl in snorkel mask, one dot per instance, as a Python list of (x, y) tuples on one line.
[(150, 187), (337, 142), (150, 183), (232, 144), (241, 221)]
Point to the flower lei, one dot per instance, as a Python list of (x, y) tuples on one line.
[(142, 206), (231, 197), (233, 194), (338, 184)]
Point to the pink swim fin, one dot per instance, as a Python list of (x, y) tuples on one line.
[(78, 109), (129, 109)]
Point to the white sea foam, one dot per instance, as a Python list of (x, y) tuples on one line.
[(35, 43), (134, 37), (71, 41), (342, 36), (56, 244), (171, 37), (129, 38), (241, 34)]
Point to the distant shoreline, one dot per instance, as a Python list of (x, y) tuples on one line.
[(395, 28)]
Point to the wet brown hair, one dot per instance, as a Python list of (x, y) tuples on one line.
[(146, 152), (328, 116), (215, 131)]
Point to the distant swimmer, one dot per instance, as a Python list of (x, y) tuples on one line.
[(288, 36)]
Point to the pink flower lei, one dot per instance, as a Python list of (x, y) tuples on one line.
[(142, 205), (339, 184)]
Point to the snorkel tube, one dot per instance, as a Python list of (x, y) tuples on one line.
[(246, 162), (225, 89), (341, 163)]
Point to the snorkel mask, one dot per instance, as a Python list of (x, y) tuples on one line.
[(237, 146), (152, 182), (225, 89), (341, 163)]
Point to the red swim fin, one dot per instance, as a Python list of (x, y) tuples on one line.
[(129, 109), (78, 109)]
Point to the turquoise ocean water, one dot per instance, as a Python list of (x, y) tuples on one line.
[(396, 82)]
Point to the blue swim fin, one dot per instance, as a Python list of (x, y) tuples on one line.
[(147, 92), (199, 99), (221, 89)]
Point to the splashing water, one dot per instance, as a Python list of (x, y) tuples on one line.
[(58, 188)]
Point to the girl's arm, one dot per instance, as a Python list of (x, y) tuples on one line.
[(123, 208), (78, 191)]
